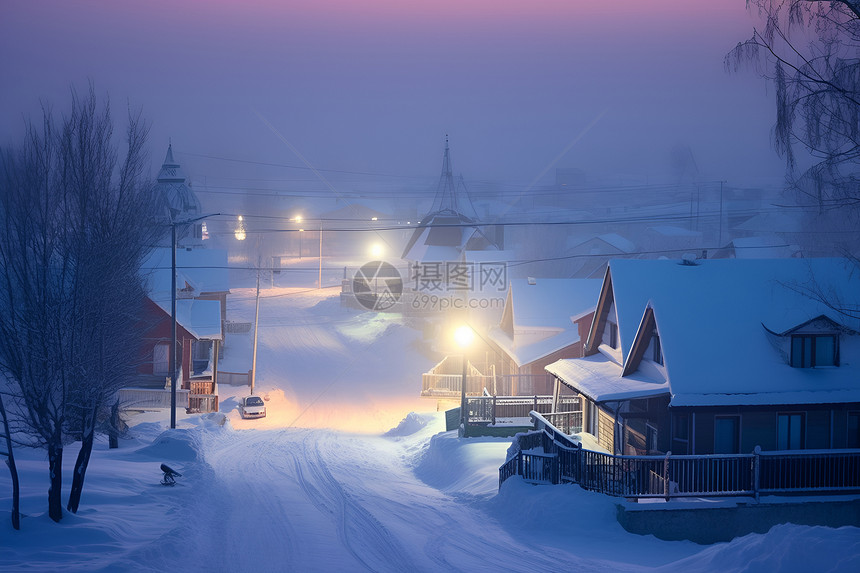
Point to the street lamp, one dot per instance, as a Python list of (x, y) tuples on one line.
[(463, 336), (172, 354)]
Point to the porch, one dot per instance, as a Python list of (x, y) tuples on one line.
[(445, 379), (549, 455), (509, 415)]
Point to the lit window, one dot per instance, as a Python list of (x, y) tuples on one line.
[(811, 350)]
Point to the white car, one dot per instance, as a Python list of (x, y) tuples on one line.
[(253, 407)]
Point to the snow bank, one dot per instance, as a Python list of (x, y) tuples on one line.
[(178, 444), (461, 466), (411, 424), (785, 548)]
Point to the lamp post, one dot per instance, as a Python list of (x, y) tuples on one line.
[(464, 336), (172, 354), (240, 236)]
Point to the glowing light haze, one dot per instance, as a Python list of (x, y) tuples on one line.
[(374, 86)]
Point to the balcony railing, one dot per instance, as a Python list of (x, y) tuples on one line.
[(547, 455)]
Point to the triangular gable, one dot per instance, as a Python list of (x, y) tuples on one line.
[(647, 326), (822, 317), (164, 315), (604, 303)]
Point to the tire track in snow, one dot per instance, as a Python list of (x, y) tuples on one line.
[(368, 541), (244, 463)]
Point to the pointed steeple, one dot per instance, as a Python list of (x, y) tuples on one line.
[(446, 192), (174, 189), (170, 172)]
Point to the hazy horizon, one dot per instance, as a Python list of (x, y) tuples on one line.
[(520, 89)]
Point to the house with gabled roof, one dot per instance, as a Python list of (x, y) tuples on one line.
[(543, 320), (201, 300), (722, 356), (590, 254)]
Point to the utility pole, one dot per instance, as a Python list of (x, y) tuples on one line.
[(256, 322)]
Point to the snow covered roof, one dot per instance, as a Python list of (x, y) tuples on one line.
[(769, 222), (713, 318), (599, 378), (201, 318), (762, 247), (542, 316), (488, 256), (205, 270), (614, 240), (672, 231)]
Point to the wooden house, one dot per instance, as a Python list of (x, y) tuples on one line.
[(721, 356), (543, 320)]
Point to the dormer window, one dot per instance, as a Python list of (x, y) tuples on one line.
[(814, 350)]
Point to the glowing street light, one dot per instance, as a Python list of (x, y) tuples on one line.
[(240, 230), (376, 250), (463, 336)]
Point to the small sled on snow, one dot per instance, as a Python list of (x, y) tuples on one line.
[(170, 475)]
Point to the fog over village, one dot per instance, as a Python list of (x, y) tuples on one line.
[(450, 286)]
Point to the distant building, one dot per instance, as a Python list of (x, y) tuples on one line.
[(179, 201)]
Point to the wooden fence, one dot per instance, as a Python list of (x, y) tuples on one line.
[(547, 455), (234, 378), (149, 398)]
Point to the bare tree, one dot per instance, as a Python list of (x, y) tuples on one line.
[(75, 224), (809, 50)]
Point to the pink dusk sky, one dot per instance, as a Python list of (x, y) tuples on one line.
[(374, 86)]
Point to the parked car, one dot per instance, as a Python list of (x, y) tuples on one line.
[(253, 407)]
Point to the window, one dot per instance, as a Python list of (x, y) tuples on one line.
[(591, 417), (811, 350), (727, 434), (650, 438), (657, 355), (681, 434), (853, 430), (789, 431), (160, 359)]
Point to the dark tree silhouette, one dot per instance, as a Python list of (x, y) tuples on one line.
[(75, 223), (809, 50)]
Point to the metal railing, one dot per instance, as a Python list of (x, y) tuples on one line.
[(567, 422), (547, 455)]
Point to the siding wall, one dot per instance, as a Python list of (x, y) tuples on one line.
[(758, 427), (606, 430)]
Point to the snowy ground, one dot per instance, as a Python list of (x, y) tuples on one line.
[(320, 485)]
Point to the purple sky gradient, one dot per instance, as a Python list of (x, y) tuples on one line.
[(375, 86)]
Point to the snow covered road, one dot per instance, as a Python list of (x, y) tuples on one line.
[(314, 500), (321, 500)]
